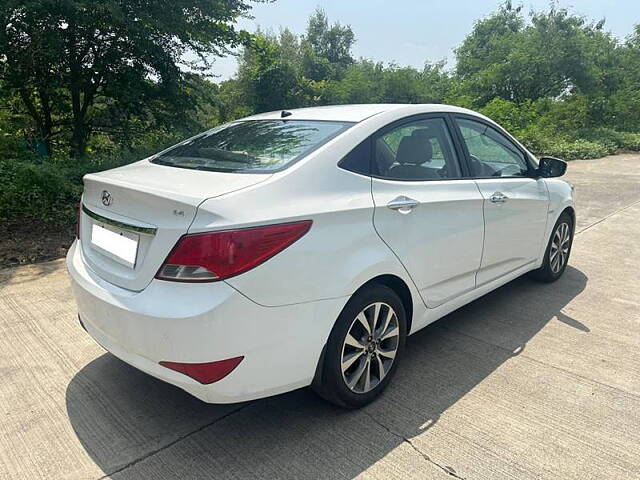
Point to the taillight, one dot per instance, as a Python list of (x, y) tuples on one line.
[(206, 257), (205, 373)]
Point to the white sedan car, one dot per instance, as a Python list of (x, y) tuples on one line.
[(301, 247)]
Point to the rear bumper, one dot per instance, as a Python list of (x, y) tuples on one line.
[(204, 322)]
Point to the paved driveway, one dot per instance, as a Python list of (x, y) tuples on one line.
[(531, 381)]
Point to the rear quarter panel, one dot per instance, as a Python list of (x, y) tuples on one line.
[(341, 251)]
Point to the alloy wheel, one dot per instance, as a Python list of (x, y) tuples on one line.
[(559, 252), (369, 348)]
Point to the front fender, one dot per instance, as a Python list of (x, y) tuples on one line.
[(561, 198)]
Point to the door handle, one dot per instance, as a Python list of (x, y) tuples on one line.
[(498, 197), (403, 204)]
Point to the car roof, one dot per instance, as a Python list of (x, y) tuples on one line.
[(354, 113)]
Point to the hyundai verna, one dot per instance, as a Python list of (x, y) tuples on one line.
[(301, 248)]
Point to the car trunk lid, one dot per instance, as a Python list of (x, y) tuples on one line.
[(132, 216)]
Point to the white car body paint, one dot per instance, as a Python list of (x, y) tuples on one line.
[(514, 230), (453, 248)]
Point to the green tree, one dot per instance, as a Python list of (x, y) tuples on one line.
[(481, 57), (81, 66), (326, 49), (555, 54), (362, 83), (626, 98), (268, 76)]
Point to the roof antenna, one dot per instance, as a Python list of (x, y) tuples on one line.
[(285, 113)]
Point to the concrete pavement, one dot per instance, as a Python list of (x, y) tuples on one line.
[(531, 381)]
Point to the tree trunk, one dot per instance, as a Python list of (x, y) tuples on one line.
[(79, 140), (81, 100), (79, 129), (47, 120), (44, 125)]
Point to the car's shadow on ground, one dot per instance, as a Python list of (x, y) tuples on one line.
[(121, 415)]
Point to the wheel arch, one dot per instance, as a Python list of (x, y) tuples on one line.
[(572, 212), (547, 238), (395, 283), (400, 287)]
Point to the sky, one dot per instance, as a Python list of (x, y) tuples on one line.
[(410, 32)]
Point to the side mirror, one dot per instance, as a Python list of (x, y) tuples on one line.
[(550, 167)]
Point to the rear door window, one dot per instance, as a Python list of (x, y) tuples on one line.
[(416, 151), (252, 146)]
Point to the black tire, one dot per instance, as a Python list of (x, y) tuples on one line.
[(546, 272), (331, 383)]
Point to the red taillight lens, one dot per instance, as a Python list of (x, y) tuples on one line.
[(206, 257), (205, 373)]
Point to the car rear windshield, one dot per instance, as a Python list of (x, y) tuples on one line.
[(252, 146)]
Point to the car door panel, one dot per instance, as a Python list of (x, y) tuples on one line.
[(439, 241), (514, 227), (425, 211), (515, 202)]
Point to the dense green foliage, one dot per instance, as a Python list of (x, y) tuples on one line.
[(563, 85), (87, 84), (77, 67), (85, 80)]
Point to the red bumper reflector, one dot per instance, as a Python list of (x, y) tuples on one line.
[(205, 373)]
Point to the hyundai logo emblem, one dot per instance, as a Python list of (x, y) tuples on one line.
[(106, 198)]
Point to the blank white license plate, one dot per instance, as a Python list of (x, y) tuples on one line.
[(120, 245)]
